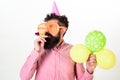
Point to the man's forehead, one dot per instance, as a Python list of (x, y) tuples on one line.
[(53, 21)]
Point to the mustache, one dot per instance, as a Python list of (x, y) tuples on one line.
[(49, 35)]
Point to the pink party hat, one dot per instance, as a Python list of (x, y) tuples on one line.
[(55, 9)]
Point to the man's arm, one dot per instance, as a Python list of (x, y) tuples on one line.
[(86, 74), (29, 67), (82, 73)]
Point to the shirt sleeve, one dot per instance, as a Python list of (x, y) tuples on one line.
[(30, 65), (81, 73)]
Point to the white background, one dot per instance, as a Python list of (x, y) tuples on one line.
[(19, 20)]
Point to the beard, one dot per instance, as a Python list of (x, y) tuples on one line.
[(51, 41)]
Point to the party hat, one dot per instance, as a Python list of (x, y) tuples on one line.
[(55, 9)]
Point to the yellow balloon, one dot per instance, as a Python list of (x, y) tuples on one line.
[(106, 59), (79, 53)]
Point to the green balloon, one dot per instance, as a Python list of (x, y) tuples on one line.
[(95, 41)]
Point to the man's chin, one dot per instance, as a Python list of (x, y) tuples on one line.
[(51, 44)]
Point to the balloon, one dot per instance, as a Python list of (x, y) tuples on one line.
[(79, 53), (105, 59), (95, 41)]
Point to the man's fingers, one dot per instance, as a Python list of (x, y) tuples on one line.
[(41, 39), (92, 59)]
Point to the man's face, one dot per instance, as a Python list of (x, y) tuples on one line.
[(52, 40)]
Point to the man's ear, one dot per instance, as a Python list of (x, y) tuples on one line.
[(63, 30)]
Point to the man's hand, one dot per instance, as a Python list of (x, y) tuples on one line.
[(39, 43), (91, 63)]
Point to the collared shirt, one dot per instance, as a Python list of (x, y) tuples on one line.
[(54, 64)]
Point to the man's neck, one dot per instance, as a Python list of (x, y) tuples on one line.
[(60, 42)]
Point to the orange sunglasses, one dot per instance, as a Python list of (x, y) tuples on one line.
[(52, 28)]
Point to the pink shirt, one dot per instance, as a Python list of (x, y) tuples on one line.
[(53, 65)]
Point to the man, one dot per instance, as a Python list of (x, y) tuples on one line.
[(50, 58)]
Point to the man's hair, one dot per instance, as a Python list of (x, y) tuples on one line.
[(62, 20)]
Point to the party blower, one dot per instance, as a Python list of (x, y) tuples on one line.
[(95, 42)]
